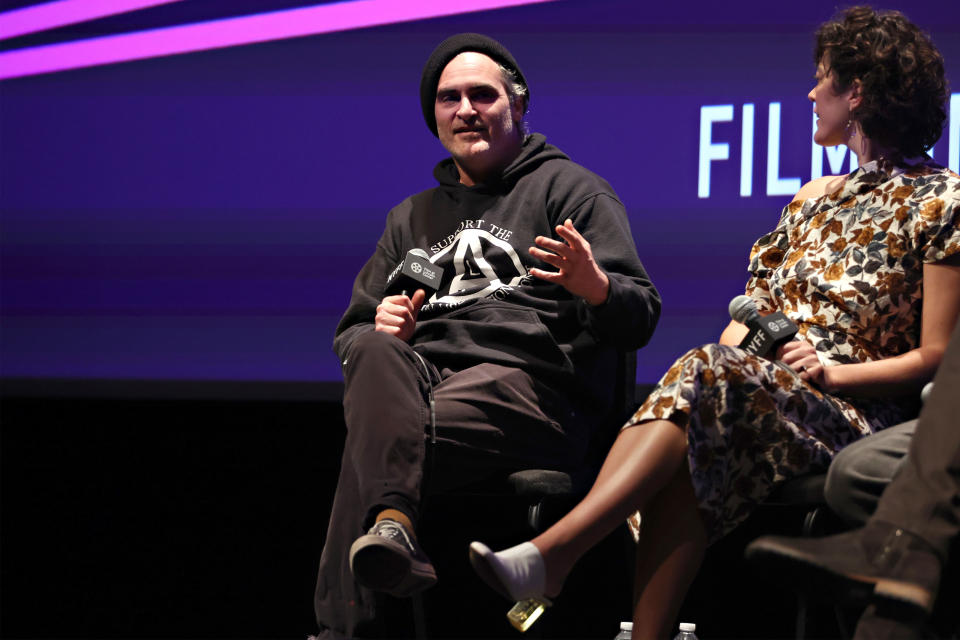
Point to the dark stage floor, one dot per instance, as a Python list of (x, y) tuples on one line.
[(147, 518)]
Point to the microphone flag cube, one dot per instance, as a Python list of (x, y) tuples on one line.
[(415, 272), (768, 333)]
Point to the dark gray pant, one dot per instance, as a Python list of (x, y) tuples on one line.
[(488, 419), (862, 470)]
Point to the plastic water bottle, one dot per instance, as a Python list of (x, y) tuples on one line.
[(626, 628), (686, 631)]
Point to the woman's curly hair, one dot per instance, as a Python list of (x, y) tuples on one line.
[(901, 75)]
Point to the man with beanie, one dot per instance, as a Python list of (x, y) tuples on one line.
[(511, 362)]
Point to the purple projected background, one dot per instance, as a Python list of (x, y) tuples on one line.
[(202, 216)]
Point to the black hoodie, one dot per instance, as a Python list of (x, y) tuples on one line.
[(488, 308)]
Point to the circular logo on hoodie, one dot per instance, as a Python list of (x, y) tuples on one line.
[(480, 263)]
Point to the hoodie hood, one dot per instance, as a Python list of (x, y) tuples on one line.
[(534, 152)]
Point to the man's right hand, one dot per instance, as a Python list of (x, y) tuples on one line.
[(397, 315)]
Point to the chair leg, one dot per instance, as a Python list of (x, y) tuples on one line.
[(800, 628), (841, 622), (534, 520), (419, 619), (810, 521), (809, 525)]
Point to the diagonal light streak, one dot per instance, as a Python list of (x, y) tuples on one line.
[(51, 15), (214, 34)]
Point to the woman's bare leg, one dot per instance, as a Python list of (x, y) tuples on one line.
[(643, 461), (672, 544)]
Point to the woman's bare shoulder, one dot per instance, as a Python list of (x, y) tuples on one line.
[(819, 186)]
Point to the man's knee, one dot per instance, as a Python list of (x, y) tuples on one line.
[(377, 355), (860, 472), (375, 344), (380, 371), (840, 489)]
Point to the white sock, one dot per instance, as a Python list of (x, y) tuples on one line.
[(521, 569)]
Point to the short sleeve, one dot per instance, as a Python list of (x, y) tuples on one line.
[(936, 228)]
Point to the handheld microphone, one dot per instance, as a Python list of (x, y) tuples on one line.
[(415, 272), (767, 333)]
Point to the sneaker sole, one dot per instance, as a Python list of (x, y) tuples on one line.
[(904, 592), (377, 564), (382, 565)]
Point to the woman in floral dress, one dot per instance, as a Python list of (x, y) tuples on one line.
[(867, 265)]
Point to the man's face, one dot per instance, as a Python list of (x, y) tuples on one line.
[(476, 122)]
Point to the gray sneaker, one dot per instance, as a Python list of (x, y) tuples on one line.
[(389, 559)]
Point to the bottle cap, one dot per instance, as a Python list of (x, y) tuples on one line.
[(687, 626), (626, 626)]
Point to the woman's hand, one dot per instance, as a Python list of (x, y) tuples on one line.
[(801, 356), (577, 272), (397, 315)]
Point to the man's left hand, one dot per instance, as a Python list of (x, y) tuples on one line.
[(577, 271)]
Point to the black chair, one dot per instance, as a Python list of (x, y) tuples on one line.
[(805, 493), (550, 494), (536, 498)]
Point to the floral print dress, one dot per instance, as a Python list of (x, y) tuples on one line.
[(847, 269)]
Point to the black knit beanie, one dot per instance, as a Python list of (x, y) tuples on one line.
[(447, 51)]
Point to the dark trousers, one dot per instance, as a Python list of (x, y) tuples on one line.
[(924, 497), (860, 473), (414, 428)]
